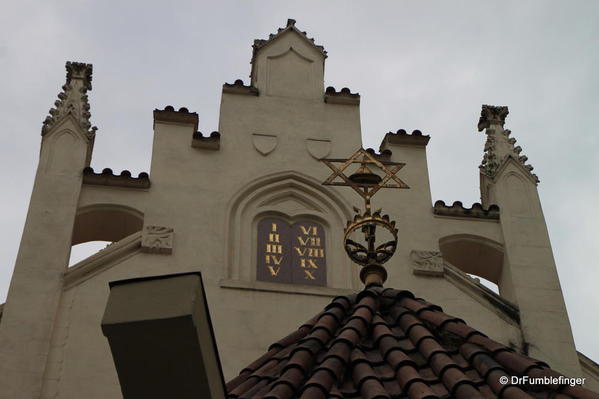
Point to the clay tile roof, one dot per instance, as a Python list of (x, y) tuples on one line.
[(384, 343)]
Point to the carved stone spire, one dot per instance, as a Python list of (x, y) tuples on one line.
[(72, 100), (499, 145)]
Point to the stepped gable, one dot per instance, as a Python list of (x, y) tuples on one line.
[(385, 343)]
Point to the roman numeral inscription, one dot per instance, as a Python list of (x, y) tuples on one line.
[(308, 257), (291, 253), (273, 251)]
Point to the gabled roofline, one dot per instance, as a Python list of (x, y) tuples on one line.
[(259, 44)]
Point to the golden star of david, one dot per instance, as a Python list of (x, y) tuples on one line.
[(364, 158)]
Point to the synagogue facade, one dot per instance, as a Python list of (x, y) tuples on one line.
[(246, 207)]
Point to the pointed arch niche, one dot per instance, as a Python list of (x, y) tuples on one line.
[(292, 197)]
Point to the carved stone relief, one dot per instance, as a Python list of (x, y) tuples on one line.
[(318, 148), (157, 239), (427, 263), (264, 143)]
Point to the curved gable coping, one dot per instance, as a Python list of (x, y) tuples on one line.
[(102, 260)]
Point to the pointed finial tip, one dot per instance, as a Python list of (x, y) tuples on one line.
[(80, 70), (290, 22), (492, 115)]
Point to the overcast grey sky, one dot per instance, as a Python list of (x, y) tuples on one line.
[(425, 65)]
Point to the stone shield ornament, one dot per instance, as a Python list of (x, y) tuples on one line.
[(318, 148), (264, 143)]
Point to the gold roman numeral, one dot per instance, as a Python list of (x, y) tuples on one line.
[(274, 248), (308, 263), (310, 230), (308, 274)]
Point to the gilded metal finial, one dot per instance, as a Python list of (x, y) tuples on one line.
[(366, 183)]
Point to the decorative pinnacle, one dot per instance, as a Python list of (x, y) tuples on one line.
[(72, 100), (499, 146), (492, 115), (79, 70)]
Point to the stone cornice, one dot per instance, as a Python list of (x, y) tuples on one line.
[(107, 178), (458, 210), (344, 96), (183, 116), (401, 137), (72, 100), (239, 88), (211, 142)]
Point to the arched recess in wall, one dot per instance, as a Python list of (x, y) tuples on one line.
[(290, 196), (475, 255), (106, 222)]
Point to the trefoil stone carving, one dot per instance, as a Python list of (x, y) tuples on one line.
[(157, 239), (427, 263)]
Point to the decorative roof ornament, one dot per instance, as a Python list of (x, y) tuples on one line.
[(372, 254), (499, 146), (72, 100)]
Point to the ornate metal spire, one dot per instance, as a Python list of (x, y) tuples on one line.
[(499, 145), (370, 255), (72, 100)]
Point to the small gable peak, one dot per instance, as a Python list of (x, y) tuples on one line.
[(260, 43)]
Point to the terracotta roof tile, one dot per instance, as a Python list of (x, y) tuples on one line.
[(385, 343)]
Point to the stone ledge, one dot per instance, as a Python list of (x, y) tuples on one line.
[(108, 178), (239, 88), (183, 116), (401, 137), (211, 142), (284, 288), (458, 210), (344, 97)]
